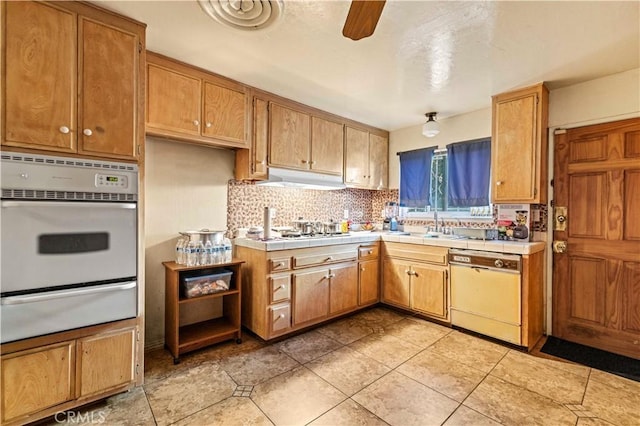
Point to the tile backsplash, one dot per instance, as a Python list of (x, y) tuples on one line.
[(246, 203)]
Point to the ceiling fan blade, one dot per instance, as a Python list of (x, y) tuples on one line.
[(362, 18)]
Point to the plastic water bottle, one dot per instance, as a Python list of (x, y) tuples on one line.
[(208, 253), (202, 254), (228, 252), (192, 253), (218, 253), (180, 248)]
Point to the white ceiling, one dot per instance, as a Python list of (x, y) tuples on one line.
[(444, 56)]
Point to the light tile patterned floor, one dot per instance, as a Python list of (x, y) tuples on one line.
[(374, 368)]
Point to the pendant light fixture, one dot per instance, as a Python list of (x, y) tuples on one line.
[(431, 127)]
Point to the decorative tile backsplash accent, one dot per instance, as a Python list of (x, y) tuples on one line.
[(246, 203)]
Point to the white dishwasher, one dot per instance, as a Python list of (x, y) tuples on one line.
[(485, 293)]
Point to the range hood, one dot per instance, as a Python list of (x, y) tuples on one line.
[(286, 178)]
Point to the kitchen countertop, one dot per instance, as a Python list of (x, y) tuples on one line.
[(499, 246)]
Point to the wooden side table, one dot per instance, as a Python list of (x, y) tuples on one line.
[(182, 339)]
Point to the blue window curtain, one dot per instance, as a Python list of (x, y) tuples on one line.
[(468, 166), (415, 177)]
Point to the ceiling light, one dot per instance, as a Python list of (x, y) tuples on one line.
[(244, 14), (431, 127)]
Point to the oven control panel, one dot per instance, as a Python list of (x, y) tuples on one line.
[(111, 181)]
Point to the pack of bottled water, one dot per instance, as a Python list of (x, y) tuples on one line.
[(191, 252)]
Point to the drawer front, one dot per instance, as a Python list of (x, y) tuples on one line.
[(417, 252), (280, 318), (368, 252), (280, 264), (280, 288), (304, 261)]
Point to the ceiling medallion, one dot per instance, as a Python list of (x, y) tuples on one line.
[(244, 15)]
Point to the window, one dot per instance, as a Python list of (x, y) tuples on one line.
[(458, 181)]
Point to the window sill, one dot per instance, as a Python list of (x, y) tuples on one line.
[(449, 215)]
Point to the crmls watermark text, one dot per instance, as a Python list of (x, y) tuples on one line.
[(76, 417)]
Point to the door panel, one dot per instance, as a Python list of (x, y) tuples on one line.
[(587, 215), (596, 282), (40, 61), (429, 290), (109, 67), (631, 205), (631, 273), (395, 282), (587, 284), (224, 113), (343, 293), (310, 296), (327, 139)]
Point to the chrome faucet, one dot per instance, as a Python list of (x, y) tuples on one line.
[(435, 217)]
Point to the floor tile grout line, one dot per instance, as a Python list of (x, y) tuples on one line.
[(530, 390)]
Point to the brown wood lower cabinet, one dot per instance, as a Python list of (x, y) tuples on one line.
[(288, 290), (36, 379), (41, 376), (416, 278), (105, 362)]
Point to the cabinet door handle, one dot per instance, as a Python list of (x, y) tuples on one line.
[(304, 161), (369, 251), (208, 124), (330, 276), (196, 123), (281, 316), (329, 259), (64, 130), (279, 264), (312, 162), (282, 287), (87, 132), (362, 268), (408, 272), (499, 182), (263, 162)]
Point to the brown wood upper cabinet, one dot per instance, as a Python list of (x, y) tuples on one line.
[(519, 146), (298, 140), (192, 105), (72, 79), (251, 164), (366, 159)]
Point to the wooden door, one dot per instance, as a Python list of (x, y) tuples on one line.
[(596, 282), (429, 289), (310, 296), (105, 362), (378, 162), (356, 169), (343, 289), (327, 146), (224, 113), (260, 138), (40, 79), (173, 101), (395, 282), (289, 137), (36, 379), (369, 279), (108, 117)]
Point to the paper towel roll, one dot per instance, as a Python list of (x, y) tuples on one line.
[(269, 214)]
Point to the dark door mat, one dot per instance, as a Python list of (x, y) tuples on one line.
[(595, 358)]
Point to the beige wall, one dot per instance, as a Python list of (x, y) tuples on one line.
[(610, 98), (185, 188), (473, 125)]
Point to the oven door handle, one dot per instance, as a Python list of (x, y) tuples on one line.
[(58, 294), (73, 204)]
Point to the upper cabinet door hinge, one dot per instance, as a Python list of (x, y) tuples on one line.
[(137, 335), (139, 47)]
